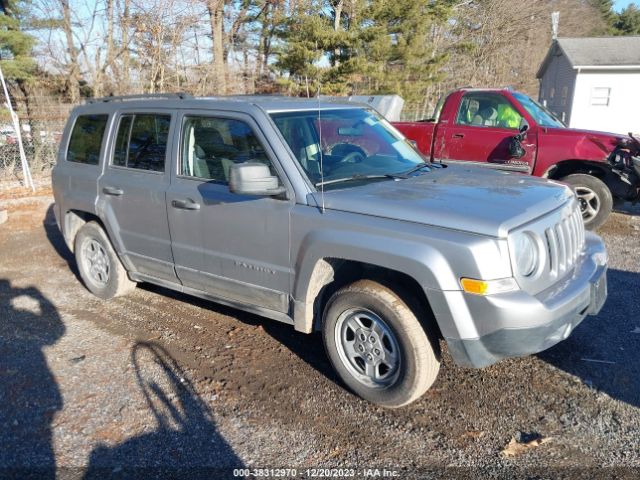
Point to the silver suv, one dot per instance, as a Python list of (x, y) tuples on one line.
[(321, 215)]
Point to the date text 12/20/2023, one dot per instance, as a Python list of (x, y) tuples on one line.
[(315, 473)]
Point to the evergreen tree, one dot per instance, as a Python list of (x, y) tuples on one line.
[(15, 45), (368, 46), (608, 14), (628, 21), (16, 61)]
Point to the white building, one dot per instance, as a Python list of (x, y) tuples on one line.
[(593, 83)]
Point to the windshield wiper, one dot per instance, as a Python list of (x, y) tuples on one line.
[(359, 177), (417, 168), (392, 176)]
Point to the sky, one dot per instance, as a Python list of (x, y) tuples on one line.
[(620, 4)]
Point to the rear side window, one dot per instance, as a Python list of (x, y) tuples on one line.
[(86, 139), (141, 142)]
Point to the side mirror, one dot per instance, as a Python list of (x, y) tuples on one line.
[(253, 178), (523, 127)]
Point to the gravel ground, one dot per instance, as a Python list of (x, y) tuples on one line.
[(161, 384)]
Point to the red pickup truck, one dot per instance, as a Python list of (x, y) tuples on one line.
[(507, 130)]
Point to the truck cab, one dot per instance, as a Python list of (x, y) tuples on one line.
[(479, 127)]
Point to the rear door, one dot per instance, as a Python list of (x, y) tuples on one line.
[(484, 125), (132, 190), (234, 247)]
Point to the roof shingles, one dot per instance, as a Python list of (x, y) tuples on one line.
[(601, 51)]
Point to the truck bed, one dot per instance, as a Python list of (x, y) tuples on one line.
[(420, 132)]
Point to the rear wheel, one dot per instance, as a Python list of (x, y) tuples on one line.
[(377, 344), (594, 198), (100, 268)]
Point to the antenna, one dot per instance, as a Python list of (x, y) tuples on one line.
[(555, 20), (321, 155)]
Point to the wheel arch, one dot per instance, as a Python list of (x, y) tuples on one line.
[(329, 274), (72, 223), (572, 166)]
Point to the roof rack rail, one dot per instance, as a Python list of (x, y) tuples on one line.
[(143, 96)]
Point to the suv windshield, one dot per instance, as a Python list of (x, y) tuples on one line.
[(542, 115), (352, 143)]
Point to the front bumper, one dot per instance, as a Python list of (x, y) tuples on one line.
[(490, 328)]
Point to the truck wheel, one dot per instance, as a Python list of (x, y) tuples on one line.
[(594, 196), (377, 345), (100, 268)]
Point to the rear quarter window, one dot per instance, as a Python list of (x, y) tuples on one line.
[(85, 142)]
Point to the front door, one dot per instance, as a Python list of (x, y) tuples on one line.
[(484, 126), (131, 191), (234, 247)]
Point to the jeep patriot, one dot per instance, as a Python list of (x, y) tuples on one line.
[(322, 215)]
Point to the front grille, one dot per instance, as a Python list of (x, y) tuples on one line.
[(565, 241)]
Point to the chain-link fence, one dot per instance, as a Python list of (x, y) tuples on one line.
[(41, 129)]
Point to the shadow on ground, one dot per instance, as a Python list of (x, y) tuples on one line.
[(29, 393), (185, 442), (604, 351), (308, 347)]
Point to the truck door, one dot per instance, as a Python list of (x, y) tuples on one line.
[(131, 191), (233, 247), (484, 125)]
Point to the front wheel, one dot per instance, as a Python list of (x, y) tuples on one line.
[(378, 346), (594, 198)]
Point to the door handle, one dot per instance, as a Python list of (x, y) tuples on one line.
[(116, 192), (187, 204), (458, 135)]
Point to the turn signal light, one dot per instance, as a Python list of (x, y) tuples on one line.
[(488, 287)]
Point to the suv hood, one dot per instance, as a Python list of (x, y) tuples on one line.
[(471, 199)]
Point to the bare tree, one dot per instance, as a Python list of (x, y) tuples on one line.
[(73, 84), (216, 17)]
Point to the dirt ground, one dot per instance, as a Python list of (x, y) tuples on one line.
[(157, 384)]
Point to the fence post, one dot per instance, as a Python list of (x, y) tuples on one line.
[(26, 173)]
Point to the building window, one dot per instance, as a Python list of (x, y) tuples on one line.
[(565, 93), (600, 96)]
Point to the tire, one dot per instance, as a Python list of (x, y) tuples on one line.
[(594, 196), (367, 303), (101, 271)]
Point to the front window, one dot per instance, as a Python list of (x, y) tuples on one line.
[(212, 145), (346, 143), (482, 109), (540, 114)]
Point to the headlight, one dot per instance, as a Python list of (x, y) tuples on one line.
[(525, 252)]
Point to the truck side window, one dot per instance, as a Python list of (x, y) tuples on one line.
[(487, 110), (86, 139), (141, 142), (210, 146)]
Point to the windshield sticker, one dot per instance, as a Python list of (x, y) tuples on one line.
[(403, 149)]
